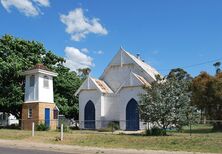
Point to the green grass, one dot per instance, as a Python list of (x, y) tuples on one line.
[(201, 140)]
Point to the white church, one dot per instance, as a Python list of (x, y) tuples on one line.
[(115, 95)]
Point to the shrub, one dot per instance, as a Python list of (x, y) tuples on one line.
[(111, 127), (74, 127), (155, 131), (114, 125), (42, 127)]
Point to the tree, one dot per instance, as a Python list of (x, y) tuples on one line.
[(167, 102), (18, 55), (217, 66), (179, 74), (84, 72), (65, 86), (207, 96)]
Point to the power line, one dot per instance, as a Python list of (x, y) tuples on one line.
[(194, 65)]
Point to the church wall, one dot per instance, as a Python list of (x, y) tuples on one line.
[(125, 95), (111, 108), (121, 75), (95, 97)]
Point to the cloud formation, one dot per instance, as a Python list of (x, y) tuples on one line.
[(76, 59), (78, 25), (85, 50), (27, 7)]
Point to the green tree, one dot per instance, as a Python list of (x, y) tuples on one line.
[(167, 102), (18, 55), (65, 86), (84, 72), (217, 66), (207, 96)]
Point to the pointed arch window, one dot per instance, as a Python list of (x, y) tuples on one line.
[(32, 81), (46, 82)]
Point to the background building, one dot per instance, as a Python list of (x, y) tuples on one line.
[(39, 106)]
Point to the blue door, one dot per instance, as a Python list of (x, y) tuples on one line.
[(89, 116), (132, 115), (47, 117)]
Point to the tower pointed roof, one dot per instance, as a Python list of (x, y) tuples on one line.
[(39, 68)]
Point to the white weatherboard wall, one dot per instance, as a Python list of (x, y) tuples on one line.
[(39, 93), (111, 102), (31, 93), (95, 97), (126, 94), (122, 80), (45, 93)]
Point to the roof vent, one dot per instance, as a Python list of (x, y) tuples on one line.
[(138, 56)]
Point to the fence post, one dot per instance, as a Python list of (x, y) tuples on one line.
[(61, 133), (33, 129), (190, 128), (112, 127)]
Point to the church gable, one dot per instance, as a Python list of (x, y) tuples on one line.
[(94, 84), (121, 58), (134, 80), (118, 70)]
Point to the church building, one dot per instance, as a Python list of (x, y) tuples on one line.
[(115, 95)]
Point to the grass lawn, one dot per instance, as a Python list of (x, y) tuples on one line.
[(202, 139)]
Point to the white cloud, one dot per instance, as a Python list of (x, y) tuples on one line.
[(100, 52), (78, 25), (85, 50), (76, 59), (28, 7)]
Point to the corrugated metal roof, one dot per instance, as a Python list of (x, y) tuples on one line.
[(103, 86), (150, 70)]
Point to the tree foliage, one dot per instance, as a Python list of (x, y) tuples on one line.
[(207, 96), (217, 66), (167, 101), (65, 85), (18, 55)]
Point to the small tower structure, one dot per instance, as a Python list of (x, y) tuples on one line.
[(39, 106)]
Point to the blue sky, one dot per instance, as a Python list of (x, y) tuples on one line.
[(167, 33)]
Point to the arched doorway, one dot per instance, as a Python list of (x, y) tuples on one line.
[(132, 115), (89, 116)]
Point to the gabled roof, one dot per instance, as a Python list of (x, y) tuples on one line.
[(124, 57), (147, 68), (94, 84), (133, 80), (141, 80)]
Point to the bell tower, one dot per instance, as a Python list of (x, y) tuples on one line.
[(39, 106)]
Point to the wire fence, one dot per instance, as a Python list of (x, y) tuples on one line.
[(200, 126)]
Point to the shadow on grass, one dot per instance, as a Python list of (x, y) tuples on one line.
[(199, 129)]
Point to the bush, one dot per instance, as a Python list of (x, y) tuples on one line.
[(111, 127), (74, 127), (42, 127), (155, 131), (13, 126), (114, 125)]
